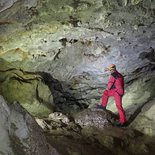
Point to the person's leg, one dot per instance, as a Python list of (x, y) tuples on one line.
[(105, 97), (118, 101)]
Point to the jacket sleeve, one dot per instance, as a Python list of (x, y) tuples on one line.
[(111, 82)]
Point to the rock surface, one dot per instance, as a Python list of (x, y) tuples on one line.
[(74, 40), (94, 118), (27, 88), (91, 132), (52, 57), (20, 134), (144, 122)]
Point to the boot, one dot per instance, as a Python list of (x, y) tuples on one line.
[(100, 107), (119, 124)]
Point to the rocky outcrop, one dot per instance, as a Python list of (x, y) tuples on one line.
[(20, 134), (6, 4), (27, 88), (144, 122), (94, 118), (37, 92), (91, 131)]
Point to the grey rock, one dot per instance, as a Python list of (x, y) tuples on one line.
[(94, 118), (75, 49), (145, 121), (20, 132), (6, 4), (58, 117), (5, 143)]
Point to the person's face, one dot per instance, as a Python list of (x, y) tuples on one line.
[(112, 71)]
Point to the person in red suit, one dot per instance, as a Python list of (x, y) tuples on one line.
[(115, 89)]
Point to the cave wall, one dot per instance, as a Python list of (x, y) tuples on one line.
[(74, 40)]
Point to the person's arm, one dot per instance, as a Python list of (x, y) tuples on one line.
[(111, 82)]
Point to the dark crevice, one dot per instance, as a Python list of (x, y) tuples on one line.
[(57, 55), (65, 40), (153, 68), (62, 99), (140, 72), (74, 21), (131, 81), (137, 70), (76, 3), (20, 80), (148, 55), (100, 29), (10, 69)]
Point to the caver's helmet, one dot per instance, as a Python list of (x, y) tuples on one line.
[(112, 67)]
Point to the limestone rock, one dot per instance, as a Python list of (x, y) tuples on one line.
[(59, 117), (20, 133), (5, 4), (14, 55), (28, 89), (5, 142), (94, 118), (74, 40), (145, 121), (43, 124), (103, 138)]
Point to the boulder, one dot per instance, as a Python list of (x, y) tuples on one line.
[(20, 134), (145, 121), (96, 118)]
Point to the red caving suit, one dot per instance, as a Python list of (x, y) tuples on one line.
[(115, 89)]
